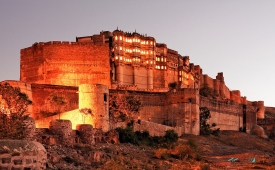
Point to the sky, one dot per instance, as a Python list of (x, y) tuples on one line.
[(236, 37)]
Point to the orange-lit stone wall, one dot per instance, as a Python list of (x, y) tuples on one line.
[(159, 80), (40, 93), (64, 63), (236, 96), (227, 116), (218, 85), (179, 108), (260, 110)]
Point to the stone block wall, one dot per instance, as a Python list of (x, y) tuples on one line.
[(175, 108), (65, 63), (227, 116), (159, 80), (41, 92), (22, 155)]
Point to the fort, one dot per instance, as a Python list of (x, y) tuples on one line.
[(87, 72)]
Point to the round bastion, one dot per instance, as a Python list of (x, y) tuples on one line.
[(62, 128), (86, 133), (96, 98)]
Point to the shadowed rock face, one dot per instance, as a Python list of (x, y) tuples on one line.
[(258, 131), (22, 154)]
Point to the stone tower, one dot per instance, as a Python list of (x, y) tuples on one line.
[(96, 98)]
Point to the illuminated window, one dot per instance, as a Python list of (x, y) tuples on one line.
[(151, 62), (151, 52), (164, 59), (180, 79), (180, 72), (116, 37), (120, 57), (146, 62), (146, 42), (120, 48), (120, 38), (161, 59), (165, 67), (151, 43), (161, 67), (116, 57)]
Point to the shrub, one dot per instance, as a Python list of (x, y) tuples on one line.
[(127, 135), (192, 144), (205, 128), (171, 136)]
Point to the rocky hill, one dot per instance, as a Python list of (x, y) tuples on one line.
[(190, 152)]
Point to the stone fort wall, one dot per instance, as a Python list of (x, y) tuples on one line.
[(230, 115), (65, 63), (175, 108), (41, 93)]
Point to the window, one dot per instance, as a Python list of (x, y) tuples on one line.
[(105, 97)]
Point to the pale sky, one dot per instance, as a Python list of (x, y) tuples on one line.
[(236, 37)]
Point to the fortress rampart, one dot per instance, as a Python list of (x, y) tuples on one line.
[(64, 63), (86, 72)]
